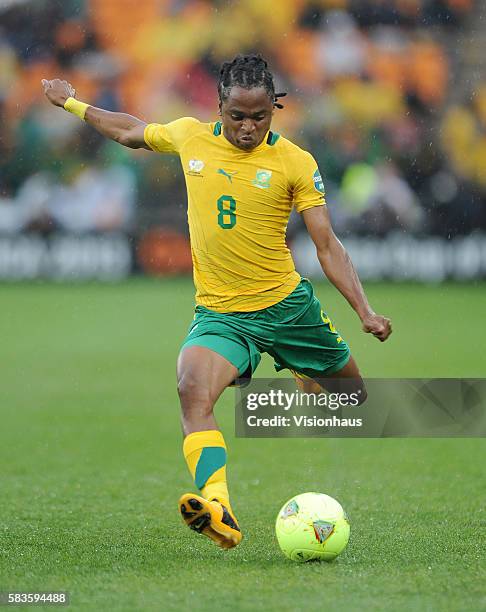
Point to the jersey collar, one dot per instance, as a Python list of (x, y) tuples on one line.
[(270, 138)]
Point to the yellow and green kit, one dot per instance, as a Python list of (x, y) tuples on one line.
[(249, 297), (296, 332)]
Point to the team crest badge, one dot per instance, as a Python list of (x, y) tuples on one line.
[(195, 167), (262, 179)]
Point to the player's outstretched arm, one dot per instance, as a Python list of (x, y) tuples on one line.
[(339, 269), (122, 128)]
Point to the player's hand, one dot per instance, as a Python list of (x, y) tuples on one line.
[(377, 325), (57, 91)]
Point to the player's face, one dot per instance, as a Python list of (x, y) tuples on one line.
[(247, 115)]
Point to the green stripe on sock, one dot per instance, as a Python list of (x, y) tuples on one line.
[(211, 460)]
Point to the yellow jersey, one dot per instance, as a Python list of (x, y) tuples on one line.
[(239, 204)]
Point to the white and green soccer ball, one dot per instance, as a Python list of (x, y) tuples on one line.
[(312, 526)]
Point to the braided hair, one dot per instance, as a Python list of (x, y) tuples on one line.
[(247, 71)]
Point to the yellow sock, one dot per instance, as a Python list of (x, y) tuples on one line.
[(205, 454)]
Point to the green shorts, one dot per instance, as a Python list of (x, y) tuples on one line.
[(295, 332)]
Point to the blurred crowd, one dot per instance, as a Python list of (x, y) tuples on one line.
[(369, 93)]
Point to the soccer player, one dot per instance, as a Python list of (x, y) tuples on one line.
[(242, 181)]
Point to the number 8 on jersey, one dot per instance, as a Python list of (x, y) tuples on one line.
[(227, 209)]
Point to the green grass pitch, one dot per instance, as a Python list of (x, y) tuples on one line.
[(91, 463)]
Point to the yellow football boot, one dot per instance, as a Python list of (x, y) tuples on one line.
[(210, 518)]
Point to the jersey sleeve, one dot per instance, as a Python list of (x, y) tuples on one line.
[(170, 137), (307, 185)]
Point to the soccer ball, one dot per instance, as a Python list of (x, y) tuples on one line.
[(312, 526)]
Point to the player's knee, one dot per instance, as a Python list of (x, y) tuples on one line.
[(193, 395)]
